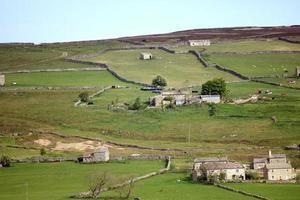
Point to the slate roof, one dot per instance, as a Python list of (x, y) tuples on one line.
[(220, 166), (210, 159), (279, 166)]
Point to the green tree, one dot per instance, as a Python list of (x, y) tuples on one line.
[(159, 81), (216, 86), (5, 161), (84, 96), (252, 175), (212, 109), (222, 176)]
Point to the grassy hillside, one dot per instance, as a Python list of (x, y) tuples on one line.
[(239, 125), (245, 46), (48, 56), (75, 79), (179, 69)]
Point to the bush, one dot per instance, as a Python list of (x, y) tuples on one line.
[(252, 175), (169, 98), (84, 97), (171, 106), (5, 161), (216, 86), (137, 105), (42, 151), (212, 109), (298, 178), (159, 81)]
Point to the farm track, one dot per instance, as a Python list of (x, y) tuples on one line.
[(122, 145), (63, 55), (54, 70)]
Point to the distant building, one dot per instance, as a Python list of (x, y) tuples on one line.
[(146, 56), (101, 155), (210, 98), (2, 79), (231, 170), (274, 167), (297, 71), (199, 43)]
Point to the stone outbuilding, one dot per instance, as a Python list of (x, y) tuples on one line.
[(146, 56), (2, 79), (199, 43), (101, 155)]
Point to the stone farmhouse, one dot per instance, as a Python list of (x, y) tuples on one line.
[(297, 71), (101, 155), (215, 166), (182, 97), (274, 167), (146, 56), (199, 43), (2, 79)]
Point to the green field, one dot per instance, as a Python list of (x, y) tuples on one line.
[(272, 191), (266, 65), (166, 187), (179, 69), (74, 79), (57, 181)]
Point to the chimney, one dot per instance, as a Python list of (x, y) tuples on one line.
[(270, 153)]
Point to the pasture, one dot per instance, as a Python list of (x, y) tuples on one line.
[(180, 70), (259, 65), (168, 186), (57, 181), (272, 191)]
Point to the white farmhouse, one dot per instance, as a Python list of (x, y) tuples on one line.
[(199, 43), (210, 98), (232, 171)]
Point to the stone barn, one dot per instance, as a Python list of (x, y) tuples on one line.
[(297, 71), (146, 56), (101, 155), (2, 79), (199, 43)]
